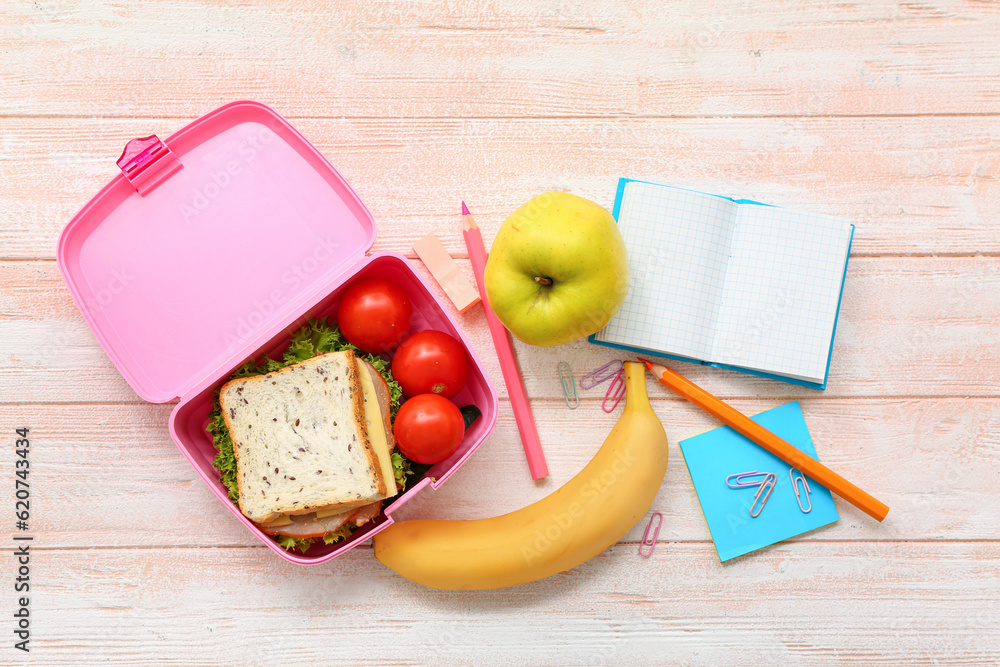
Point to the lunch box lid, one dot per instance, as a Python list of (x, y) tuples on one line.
[(205, 242)]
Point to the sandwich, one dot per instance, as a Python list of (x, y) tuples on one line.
[(306, 449)]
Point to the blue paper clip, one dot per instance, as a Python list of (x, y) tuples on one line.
[(602, 374), (763, 493), (568, 386), (805, 487), (739, 483)]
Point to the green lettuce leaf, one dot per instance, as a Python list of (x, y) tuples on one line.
[(341, 533), (401, 469), (289, 543)]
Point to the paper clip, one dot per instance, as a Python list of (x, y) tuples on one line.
[(568, 385), (615, 392), (739, 483), (770, 479), (649, 541), (805, 486), (599, 375)]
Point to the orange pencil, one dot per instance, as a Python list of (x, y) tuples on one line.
[(769, 441)]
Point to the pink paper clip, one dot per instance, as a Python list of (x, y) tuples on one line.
[(738, 482), (763, 493), (805, 488), (602, 374), (615, 392), (649, 541)]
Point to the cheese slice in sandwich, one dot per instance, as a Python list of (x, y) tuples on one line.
[(376, 425), (301, 439)]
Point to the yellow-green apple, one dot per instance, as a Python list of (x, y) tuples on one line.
[(557, 270)]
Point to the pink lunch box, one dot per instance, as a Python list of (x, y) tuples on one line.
[(210, 249)]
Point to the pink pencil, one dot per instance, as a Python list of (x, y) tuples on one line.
[(505, 351)]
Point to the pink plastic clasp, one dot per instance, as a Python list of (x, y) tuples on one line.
[(146, 162)]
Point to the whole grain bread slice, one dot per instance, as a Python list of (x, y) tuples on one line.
[(300, 439)]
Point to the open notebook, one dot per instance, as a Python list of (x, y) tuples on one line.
[(729, 283)]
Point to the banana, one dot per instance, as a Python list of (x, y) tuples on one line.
[(580, 520)]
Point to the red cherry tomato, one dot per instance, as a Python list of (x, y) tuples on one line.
[(430, 362), (428, 428), (374, 315)]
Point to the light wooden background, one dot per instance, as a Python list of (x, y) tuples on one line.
[(886, 113)]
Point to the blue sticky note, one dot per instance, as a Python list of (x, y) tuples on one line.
[(711, 457)]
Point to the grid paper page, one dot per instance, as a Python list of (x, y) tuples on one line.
[(779, 303), (678, 246)]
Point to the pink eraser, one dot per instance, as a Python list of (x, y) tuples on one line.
[(448, 274)]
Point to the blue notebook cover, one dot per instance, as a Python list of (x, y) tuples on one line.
[(712, 261), (713, 456)]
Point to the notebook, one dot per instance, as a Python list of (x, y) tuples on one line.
[(712, 457), (729, 283)]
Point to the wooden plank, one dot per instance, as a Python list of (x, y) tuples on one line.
[(933, 461), (915, 603), (883, 112), (927, 186), (516, 59), (908, 327)]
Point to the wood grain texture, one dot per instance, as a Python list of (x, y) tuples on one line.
[(932, 316), (929, 185), (523, 58), (881, 112), (799, 603), (944, 456)]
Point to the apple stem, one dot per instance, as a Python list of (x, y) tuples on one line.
[(542, 280)]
